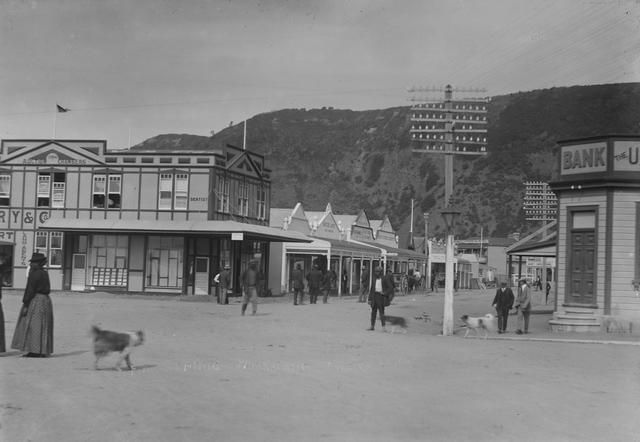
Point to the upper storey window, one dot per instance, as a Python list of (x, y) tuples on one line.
[(51, 189), (107, 192), (173, 191), (5, 189)]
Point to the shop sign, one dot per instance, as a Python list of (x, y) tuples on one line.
[(625, 156), (583, 158), (236, 236)]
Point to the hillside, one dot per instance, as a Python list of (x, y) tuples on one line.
[(364, 159)]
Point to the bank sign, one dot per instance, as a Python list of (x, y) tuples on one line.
[(594, 158), (625, 156), (583, 158)]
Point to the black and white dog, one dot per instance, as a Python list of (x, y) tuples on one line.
[(486, 322), (105, 342)]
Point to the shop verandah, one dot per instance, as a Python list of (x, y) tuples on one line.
[(179, 257)]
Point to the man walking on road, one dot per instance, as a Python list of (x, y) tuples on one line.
[(381, 287), (314, 278), (249, 288), (523, 304), (503, 302), (297, 283)]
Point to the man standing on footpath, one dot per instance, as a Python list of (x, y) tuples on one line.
[(297, 284), (523, 304), (364, 284), (503, 302), (224, 281), (314, 278), (249, 288)]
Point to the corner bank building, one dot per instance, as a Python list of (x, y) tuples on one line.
[(133, 221)]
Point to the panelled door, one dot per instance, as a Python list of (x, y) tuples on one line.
[(582, 271), (78, 271), (201, 279)]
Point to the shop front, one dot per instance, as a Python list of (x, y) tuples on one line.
[(178, 257)]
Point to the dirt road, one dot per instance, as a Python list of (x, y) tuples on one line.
[(310, 373)]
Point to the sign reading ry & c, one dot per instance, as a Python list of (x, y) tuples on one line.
[(583, 158)]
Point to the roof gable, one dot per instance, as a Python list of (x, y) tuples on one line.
[(53, 152)]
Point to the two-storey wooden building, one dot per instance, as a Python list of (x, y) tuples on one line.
[(134, 221)]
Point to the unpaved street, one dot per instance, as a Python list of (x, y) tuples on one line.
[(311, 373)]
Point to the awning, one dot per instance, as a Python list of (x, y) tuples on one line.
[(335, 246), (248, 231), (545, 249), (395, 252)]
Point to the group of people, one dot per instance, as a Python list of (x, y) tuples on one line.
[(251, 281), (319, 282), (34, 329), (505, 300)]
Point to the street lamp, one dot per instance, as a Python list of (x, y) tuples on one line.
[(449, 215)]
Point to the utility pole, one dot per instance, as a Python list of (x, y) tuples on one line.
[(450, 127)]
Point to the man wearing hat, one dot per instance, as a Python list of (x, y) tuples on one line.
[(503, 302), (249, 288), (523, 305), (224, 279), (34, 328)]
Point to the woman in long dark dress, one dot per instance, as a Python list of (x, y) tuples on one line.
[(34, 329)]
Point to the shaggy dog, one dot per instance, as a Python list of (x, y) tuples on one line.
[(105, 342), (396, 322), (484, 323)]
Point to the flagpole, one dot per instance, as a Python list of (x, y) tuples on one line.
[(55, 118), (244, 136)]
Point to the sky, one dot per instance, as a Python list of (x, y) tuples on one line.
[(129, 70)]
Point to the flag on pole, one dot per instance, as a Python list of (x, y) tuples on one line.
[(61, 109)]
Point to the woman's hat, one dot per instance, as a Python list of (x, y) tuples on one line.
[(227, 266), (38, 257)]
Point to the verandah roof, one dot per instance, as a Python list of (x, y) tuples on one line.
[(249, 231)]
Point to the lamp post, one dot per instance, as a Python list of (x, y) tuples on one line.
[(449, 215)]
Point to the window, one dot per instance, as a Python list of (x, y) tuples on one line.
[(165, 191), (243, 199), (182, 191), (222, 193), (173, 195), (107, 197), (261, 203), (50, 244), (51, 195), (5, 189)]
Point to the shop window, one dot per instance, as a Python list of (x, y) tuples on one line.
[(50, 244), (107, 260), (5, 189), (51, 189), (164, 262), (107, 191)]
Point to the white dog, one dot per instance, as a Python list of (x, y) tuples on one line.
[(486, 323)]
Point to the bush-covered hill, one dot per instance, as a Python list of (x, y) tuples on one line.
[(364, 160)]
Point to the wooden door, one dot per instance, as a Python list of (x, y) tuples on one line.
[(582, 270)]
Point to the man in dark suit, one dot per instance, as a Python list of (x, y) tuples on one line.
[(382, 288), (503, 302)]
